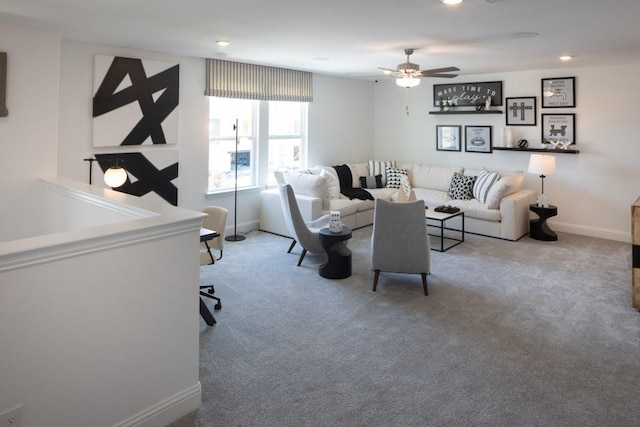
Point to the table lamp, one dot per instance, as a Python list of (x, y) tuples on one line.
[(543, 165)]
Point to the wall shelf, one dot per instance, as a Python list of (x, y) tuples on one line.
[(539, 150), (467, 112)]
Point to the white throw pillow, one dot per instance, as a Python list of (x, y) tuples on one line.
[(333, 184), (309, 185), (509, 183)]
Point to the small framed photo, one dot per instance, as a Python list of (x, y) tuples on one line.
[(521, 111), (477, 139), (559, 92), (448, 138), (558, 128)]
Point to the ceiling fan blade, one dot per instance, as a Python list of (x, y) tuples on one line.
[(441, 70), (388, 69), (446, 76)]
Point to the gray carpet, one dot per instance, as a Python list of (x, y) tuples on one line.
[(523, 333)]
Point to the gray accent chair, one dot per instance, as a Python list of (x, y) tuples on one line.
[(400, 243), (305, 233)]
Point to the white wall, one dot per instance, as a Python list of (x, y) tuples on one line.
[(28, 135), (593, 189)]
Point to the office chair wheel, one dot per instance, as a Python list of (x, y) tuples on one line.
[(218, 306), (211, 290)]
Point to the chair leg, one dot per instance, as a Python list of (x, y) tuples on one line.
[(424, 283), (375, 279), (304, 252), (292, 245), (209, 294)]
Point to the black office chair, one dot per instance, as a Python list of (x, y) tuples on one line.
[(206, 235)]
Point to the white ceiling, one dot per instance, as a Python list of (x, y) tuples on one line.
[(356, 36)]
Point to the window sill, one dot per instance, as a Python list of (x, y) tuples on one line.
[(230, 191)]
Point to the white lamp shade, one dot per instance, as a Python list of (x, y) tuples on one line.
[(542, 164), (408, 81), (115, 177)]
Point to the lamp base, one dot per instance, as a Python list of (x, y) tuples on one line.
[(234, 238), (543, 201)]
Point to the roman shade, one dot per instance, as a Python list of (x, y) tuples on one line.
[(230, 79)]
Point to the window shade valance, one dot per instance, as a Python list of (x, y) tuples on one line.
[(229, 79)]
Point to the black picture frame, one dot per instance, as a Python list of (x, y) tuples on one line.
[(558, 92), (477, 139), (521, 111), (4, 112), (448, 138), (559, 128), (468, 94)]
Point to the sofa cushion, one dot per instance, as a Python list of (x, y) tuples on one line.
[(432, 198), (382, 193), (358, 170), (379, 167), (461, 187), (472, 208), (345, 206), (333, 185), (371, 181), (509, 183), (484, 181), (394, 176), (433, 177), (309, 185)]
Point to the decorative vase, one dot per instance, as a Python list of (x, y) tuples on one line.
[(335, 225)]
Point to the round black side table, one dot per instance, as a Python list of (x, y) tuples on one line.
[(338, 265), (538, 228)]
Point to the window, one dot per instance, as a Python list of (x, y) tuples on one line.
[(282, 140)]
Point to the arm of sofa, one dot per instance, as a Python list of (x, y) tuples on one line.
[(272, 218), (514, 213)]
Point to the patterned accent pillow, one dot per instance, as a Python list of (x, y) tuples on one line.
[(394, 176), (484, 181), (405, 185), (378, 167), (371, 181), (461, 187)]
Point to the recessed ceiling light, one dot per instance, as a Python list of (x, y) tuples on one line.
[(566, 58), (223, 43), (451, 1)]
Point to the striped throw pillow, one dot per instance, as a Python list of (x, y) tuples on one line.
[(378, 167), (484, 180)]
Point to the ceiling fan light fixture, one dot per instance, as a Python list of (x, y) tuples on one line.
[(407, 82)]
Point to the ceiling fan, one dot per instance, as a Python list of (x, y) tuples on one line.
[(408, 72)]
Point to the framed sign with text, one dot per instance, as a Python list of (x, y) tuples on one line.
[(559, 92), (468, 94), (559, 128)]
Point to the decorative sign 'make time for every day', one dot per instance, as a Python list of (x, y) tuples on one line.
[(468, 94)]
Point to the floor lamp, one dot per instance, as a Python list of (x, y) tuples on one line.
[(235, 237)]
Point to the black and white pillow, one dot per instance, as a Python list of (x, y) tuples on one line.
[(394, 176), (461, 187), (371, 181), (484, 181), (378, 167)]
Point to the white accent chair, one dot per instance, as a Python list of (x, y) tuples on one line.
[(400, 243), (305, 233)]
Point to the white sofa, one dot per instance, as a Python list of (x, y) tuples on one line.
[(504, 215)]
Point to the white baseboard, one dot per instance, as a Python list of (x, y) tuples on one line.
[(243, 227), (167, 411), (601, 233)]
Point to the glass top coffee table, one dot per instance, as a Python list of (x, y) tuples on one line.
[(438, 220)]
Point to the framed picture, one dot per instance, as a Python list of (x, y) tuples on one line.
[(477, 139), (559, 92), (559, 128), (521, 111), (448, 138), (468, 94)]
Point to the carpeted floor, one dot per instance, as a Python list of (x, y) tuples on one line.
[(523, 333)]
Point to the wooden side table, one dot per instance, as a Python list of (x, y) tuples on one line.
[(538, 228), (338, 265)]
